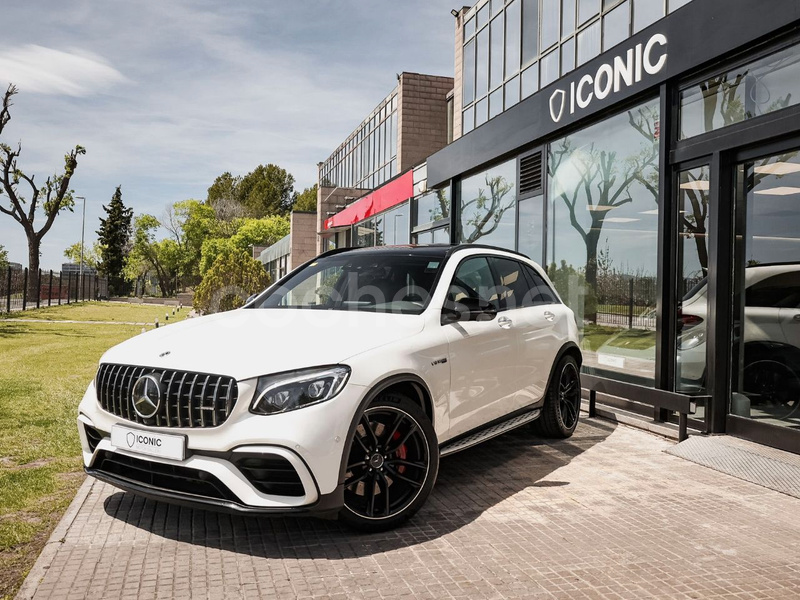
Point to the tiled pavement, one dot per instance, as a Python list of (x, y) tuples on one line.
[(606, 514)]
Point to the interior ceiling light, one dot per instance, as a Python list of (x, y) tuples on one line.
[(695, 185), (600, 208), (620, 220), (779, 191), (778, 168)]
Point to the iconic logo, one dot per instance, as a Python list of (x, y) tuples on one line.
[(625, 70), (131, 439), (146, 396), (557, 102)]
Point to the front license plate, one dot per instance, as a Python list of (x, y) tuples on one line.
[(146, 442)]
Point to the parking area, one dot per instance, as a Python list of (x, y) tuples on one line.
[(606, 514)]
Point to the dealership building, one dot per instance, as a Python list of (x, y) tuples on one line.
[(647, 152)]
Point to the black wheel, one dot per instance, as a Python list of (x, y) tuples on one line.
[(562, 402), (772, 388), (391, 465)]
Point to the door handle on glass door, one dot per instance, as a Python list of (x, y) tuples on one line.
[(548, 315), (505, 322)]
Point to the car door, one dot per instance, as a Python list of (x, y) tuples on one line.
[(539, 322), (484, 372)]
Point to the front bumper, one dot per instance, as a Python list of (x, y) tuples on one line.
[(308, 444)]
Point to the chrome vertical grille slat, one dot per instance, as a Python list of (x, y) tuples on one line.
[(186, 397)]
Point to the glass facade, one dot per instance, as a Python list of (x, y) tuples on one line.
[(389, 228), (368, 157), (603, 204), (766, 353), (487, 203), (754, 89), (543, 40)]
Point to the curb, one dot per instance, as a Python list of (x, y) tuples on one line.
[(39, 569)]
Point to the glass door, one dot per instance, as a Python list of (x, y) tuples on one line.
[(765, 370), (694, 210)]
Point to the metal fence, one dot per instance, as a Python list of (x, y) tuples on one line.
[(628, 302), (21, 290)]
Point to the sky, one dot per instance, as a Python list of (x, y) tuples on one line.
[(166, 96)]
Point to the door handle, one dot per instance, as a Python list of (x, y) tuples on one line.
[(549, 316), (505, 322)]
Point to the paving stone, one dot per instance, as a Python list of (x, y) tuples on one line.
[(607, 514)]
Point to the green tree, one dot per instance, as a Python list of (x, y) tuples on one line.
[(191, 222), (230, 280), (91, 254), (266, 191), (249, 233), (114, 238), (53, 196), (3, 259), (306, 201), (224, 198), (148, 255)]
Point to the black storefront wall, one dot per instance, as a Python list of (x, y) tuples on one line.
[(702, 32), (694, 38)]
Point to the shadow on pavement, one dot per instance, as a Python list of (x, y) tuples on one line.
[(469, 483)]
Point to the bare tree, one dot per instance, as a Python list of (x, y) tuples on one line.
[(53, 196), (489, 210)]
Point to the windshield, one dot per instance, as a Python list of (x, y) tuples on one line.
[(370, 281)]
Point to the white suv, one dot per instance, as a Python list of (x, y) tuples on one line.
[(336, 390)]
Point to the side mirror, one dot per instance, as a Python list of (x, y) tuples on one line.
[(467, 309)]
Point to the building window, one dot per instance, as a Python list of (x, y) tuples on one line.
[(486, 203), (602, 196), (367, 158), (758, 88), (559, 34), (392, 226)]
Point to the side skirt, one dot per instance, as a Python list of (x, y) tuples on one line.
[(487, 432)]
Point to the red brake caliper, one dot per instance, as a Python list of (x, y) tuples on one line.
[(401, 452)]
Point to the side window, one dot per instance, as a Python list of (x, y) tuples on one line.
[(511, 287), (778, 291), (540, 293), (473, 279)]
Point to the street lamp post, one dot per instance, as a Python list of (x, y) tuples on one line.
[(83, 223)]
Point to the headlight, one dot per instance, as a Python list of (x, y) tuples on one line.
[(296, 389), (692, 338)]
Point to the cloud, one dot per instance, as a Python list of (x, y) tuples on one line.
[(43, 70)]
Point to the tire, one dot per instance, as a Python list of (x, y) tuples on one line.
[(562, 402), (394, 448)]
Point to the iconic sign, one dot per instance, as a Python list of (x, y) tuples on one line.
[(625, 70)]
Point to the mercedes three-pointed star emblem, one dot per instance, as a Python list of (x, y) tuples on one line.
[(146, 395)]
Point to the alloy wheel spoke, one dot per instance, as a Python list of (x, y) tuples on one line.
[(387, 500), (397, 422), (371, 508), (350, 482), (362, 463), (570, 410), (406, 463), (399, 445), (403, 477), (368, 427), (361, 443)]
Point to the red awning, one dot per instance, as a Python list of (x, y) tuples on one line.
[(396, 191)]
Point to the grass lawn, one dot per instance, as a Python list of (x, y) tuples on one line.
[(594, 336), (103, 311), (44, 371)]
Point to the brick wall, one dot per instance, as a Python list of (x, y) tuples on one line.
[(422, 117), (304, 238)]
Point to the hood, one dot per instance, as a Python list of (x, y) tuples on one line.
[(248, 343)]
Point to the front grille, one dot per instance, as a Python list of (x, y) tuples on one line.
[(271, 474), (187, 399), (166, 477)]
